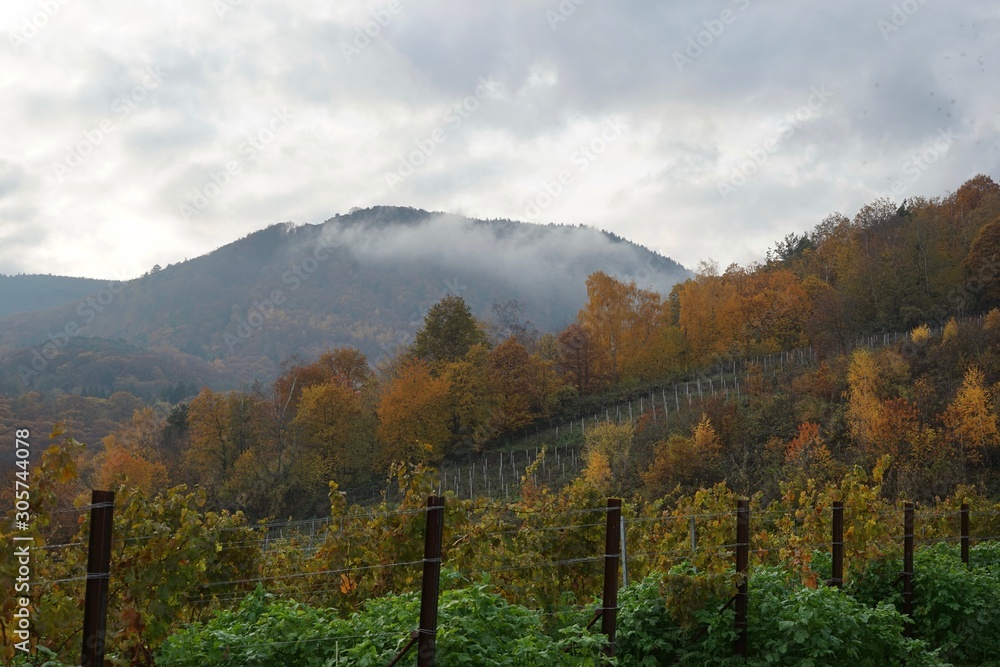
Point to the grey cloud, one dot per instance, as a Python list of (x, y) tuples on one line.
[(892, 94)]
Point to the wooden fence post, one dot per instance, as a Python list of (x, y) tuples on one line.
[(95, 606), (433, 533), (612, 553)]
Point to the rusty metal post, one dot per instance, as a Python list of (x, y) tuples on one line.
[(95, 606), (742, 567), (612, 553), (837, 574), (433, 533)]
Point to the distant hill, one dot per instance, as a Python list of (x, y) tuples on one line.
[(27, 293), (365, 279)]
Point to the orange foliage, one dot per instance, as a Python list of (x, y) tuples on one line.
[(684, 461), (117, 465), (414, 412)]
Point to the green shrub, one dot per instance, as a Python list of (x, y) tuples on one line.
[(261, 633), (790, 624), (956, 607), (986, 557), (475, 627), (877, 582)]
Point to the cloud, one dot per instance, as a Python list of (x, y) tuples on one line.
[(226, 71), (532, 259)]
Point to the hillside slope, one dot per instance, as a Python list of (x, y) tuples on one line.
[(364, 279)]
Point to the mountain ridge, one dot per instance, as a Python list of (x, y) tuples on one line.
[(363, 279)]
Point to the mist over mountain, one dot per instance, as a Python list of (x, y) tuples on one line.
[(364, 279), (26, 293)]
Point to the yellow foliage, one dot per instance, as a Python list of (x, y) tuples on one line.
[(950, 331), (328, 414), (597, 472), (621, 319), (606, 451), (921, 334), (970, 418), (879, 421), (992, 320), (688, 462), (865, 415), (706, 441)]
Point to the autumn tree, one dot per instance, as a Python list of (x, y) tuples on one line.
[(577, 358), (414, 417), (474, 396), (133, 455), (983, 264), (688, 462), (523, 383), (970, 419), (621, 320), (221, 428), (329, 416), (707, 312), (344, 366), (606, 455), (117, 465), (807, 455)]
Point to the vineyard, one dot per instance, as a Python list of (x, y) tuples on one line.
[(668, 403), (552, 577), (737, 472)]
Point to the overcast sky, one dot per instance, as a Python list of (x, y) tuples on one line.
[(148, 131)]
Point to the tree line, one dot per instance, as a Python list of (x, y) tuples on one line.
[(469, 384)]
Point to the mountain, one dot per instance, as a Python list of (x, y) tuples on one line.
[(365, 279), (26, 293)]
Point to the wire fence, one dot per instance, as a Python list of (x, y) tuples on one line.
[(663, 404), (529, 552)]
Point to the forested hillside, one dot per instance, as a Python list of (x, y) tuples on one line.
[(803, 410), (365, 280), (473, 384)]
